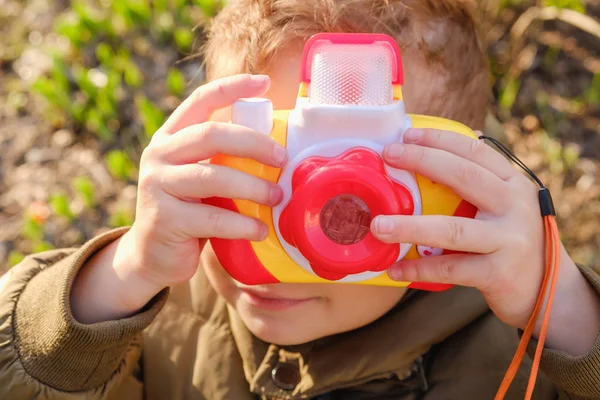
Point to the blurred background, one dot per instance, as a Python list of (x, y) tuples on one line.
[(85, 83)]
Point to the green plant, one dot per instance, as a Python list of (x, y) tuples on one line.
[(571, 155), (86, 191), (32, 229), (184, 38), (592, 95), (152, 117), (120, 165), (575, 5), (55, 88), (15, 257), (60, 206), (508, 96), (176, 82), (210, 7), (122, 217), (38, 247)]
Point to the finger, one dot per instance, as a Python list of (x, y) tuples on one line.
[(477, 185), (212, 96), (206, 221), (474, 150), (443, 232), (199, 142), (199, 181), (455, 269)]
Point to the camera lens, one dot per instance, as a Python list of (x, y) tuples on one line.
[(345, 219)]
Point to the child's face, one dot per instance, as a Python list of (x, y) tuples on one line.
[(290, 314)]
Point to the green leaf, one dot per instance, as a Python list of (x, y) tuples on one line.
[(71, 27), (52, 93), (177, 4), (176, 82), (32, 229), (90, 18), (60, 72), (575, 5), (571, 155), (123, 217), (209, 7), (152, 116), (133, 76), (592, 94), (106, 104), (509, 94), (184, 38), (120, 165), (86, 190), (15, 257), (60, 206), (105, 54), (140, 11), (96, 123), (43, 246), (160, 6), (81, 76)]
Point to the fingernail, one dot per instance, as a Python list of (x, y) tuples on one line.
[(394, 150), (275, 195), (264, 232), (413, 135), (385, 225), (259, 79), (279, 154), (395, 272)]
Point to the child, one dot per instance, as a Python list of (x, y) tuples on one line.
[(131, 315)]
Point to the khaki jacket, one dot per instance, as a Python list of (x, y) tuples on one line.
[(188, 344)]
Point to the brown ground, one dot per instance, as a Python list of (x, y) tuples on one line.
[(553, 125)]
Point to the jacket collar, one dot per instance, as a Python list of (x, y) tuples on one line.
[(387, 348)]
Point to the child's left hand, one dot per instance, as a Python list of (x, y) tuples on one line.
[(505, 240)]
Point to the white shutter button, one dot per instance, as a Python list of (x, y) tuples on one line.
[(254, 113), (426, 251)]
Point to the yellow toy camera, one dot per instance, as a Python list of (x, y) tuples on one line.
[(349, 107)]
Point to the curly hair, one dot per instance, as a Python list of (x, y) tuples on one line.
[(248, 35)]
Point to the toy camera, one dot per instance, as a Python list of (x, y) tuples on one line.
[(349, 107)]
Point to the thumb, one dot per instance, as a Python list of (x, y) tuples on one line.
[(213, 96)]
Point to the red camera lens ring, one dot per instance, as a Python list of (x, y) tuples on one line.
[(374, 188)]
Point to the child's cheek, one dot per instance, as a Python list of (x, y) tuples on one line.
[(221, 282)]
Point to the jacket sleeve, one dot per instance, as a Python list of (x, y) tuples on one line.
[(45, 353), (578, 376)]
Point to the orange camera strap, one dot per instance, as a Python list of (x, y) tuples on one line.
[(547, 289)]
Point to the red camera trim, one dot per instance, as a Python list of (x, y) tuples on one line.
[(465, 210), (358, 172), (230, 252)]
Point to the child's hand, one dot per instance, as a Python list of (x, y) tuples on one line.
[(163, 246), (175, 176), (506, 239)]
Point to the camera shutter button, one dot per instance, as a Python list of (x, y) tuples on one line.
[(427, 251), (254, 113)]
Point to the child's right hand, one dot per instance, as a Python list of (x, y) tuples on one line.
[(163, 246)]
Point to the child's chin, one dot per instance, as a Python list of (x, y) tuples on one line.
[(281, 332)]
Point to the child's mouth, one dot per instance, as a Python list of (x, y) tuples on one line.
[(271, 302)]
